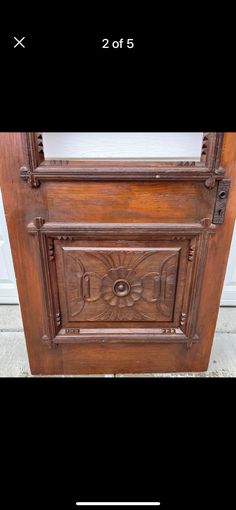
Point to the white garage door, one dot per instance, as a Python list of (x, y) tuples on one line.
[(8, 291), (229, 292)]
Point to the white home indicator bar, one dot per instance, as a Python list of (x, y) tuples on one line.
[(117, 503)]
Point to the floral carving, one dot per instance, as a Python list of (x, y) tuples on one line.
[(104, 285), (121, 287)]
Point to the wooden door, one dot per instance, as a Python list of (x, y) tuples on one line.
[(119, 264)]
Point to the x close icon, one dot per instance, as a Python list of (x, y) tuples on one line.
[(19, 42)]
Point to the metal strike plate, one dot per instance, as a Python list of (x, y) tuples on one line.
[(221, 201)]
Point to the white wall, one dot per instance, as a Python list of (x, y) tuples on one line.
[(229, 292)]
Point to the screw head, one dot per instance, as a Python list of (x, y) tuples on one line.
[(222, 194)]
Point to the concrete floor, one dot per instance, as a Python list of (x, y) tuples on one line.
[(14, 359)]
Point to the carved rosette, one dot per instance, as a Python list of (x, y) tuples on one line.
[(121, 287)]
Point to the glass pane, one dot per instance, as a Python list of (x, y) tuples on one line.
[(157, 146)]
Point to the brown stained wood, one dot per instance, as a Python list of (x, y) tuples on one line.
[(18, 202), (37, 170), (127, 202), (126, 358), (117, 276), (216, 262)]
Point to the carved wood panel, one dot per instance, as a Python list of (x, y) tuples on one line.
[(37, 169), (113, 282), (119, 285)]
